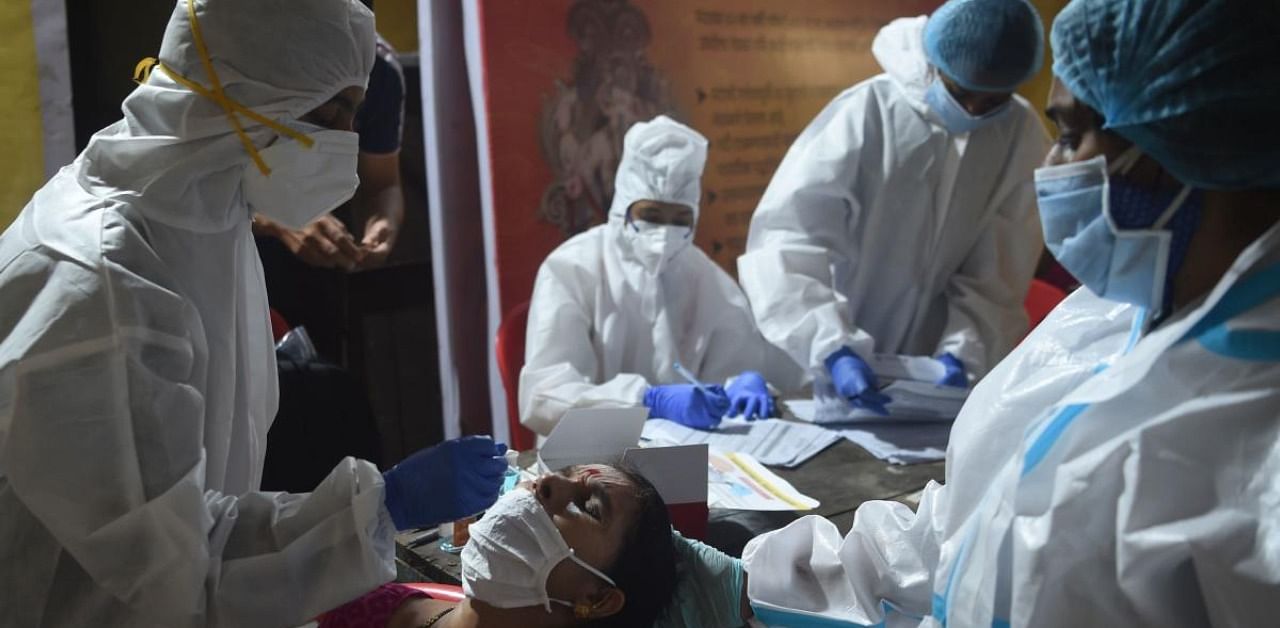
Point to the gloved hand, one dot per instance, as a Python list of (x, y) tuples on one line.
[(709, 587), (855, 381), (749, 397), (687, 405), (455, 479), (955, 375)]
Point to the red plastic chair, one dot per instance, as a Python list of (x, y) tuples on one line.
[(1042, 297), (510, 350), (279, 326)]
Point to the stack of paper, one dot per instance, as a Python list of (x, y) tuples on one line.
[(912, 401), (908, 380), (892, 440), (738, 481), (772, 442)]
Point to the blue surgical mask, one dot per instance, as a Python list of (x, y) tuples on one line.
[(1122, 241), (952, 114)]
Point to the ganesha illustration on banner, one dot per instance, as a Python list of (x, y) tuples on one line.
[(584, 120)]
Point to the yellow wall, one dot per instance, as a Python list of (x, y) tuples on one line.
[(21, 141), (398, 23), (1037, 90)]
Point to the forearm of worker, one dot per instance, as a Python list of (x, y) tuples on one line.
[(326, 547), (114, 468), (790, 288), (380, 195), (379, 206), (985, 315), (561, 369), (549, 389), (804, 227)]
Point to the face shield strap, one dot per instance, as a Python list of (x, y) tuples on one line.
[(218, 95)]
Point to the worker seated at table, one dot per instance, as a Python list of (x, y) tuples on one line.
[(615, 308), (591, 545)]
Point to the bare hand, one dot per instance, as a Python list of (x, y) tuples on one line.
[(379, 238), (325, 243)]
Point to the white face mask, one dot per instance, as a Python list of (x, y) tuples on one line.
[(305, 183), (512, 551), (655, 244)]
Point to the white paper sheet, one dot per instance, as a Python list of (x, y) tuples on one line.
[(771, 441), (740, 482), (912, 402), (893, 440), (910, 367), (592, 435)]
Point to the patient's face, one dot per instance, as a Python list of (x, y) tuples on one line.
[(594, 507)]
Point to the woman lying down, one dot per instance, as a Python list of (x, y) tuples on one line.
[(589, 546)]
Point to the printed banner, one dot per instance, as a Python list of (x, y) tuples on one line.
[(564, 79)]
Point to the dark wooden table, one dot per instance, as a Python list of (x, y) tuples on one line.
[(842, 477)]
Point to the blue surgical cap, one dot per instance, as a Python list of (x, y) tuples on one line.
[(1194, 83), (985, 45)]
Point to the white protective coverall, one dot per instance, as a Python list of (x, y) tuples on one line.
[(884, 233), (1096, 477), (137, 374), (602, 329)]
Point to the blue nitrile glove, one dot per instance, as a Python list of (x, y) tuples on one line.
[(749, 397), (687, 405), (455, 479), (709, 587), (855, 381), (955, 375)]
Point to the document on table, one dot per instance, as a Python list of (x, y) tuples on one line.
[(770, 441), (738, 481), (908, 380), (912, 402), (892, 440)]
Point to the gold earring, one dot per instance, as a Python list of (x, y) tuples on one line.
[(582, 610)]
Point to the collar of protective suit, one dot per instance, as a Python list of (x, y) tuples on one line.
[(1193, 322), (175, 155)]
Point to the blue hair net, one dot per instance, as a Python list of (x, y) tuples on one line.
[(1194, 83), (985, 45)]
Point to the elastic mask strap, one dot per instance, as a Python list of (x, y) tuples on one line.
[(581, 611), (599, 574), (143, 71), (1173, 208), (1125, 162)]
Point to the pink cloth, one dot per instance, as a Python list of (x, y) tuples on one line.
[(371, 610)]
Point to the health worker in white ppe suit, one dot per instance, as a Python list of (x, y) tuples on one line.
[(1122, 466), (902, 220), (137, 374), (616, 307)]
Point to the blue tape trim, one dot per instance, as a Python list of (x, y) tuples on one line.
[(1052, 432), (1249, 293), (785, 619), (941, 603), (940, 609), (1000, 623), (1254, 345), (1135, 332)]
